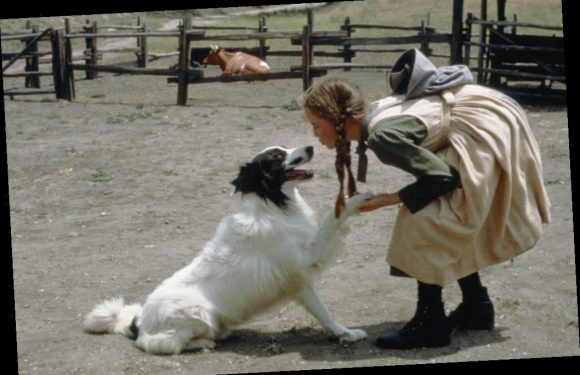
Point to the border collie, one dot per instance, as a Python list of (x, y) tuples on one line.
[(268, 252)]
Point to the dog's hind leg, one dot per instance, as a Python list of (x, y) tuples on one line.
[(184, 335), (309, 298)]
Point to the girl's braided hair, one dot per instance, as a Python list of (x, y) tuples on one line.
[(343, 161), (336, 99)]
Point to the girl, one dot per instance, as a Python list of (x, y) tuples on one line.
[(479, 197)]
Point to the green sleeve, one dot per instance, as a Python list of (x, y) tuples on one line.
[(395, 141)]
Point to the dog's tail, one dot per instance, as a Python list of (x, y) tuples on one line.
[(113, 316)]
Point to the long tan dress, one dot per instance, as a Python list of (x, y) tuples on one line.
[(499, 210)]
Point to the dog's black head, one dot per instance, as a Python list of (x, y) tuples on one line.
[(270, 170)]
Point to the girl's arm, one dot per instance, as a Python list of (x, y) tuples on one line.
[(379, 201)]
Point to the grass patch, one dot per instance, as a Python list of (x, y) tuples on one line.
[(101, 176)]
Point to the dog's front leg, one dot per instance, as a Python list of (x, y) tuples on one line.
[(328, 236), (308, 297)]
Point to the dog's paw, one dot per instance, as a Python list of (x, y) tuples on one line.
[(353, 202), (199, 344), (352, 335)]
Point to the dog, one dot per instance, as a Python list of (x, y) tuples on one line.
[(267, 253)]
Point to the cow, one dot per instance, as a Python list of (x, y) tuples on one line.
[(235, 62)]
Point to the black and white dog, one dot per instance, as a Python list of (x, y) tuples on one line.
[(268, 252)]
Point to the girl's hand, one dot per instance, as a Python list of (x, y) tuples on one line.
[(379, 201)]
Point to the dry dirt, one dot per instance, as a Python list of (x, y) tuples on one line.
[(113, 192)]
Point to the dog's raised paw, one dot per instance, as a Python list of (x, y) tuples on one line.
[(353, 202)]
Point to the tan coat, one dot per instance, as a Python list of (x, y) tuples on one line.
[(498, 211)]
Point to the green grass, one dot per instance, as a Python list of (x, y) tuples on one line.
[(101, 176)]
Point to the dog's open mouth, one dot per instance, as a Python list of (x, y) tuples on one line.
[(298, 174)]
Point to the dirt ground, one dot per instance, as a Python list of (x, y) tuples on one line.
[(113, 192)]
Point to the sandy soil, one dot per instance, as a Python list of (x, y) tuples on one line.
[(113, 192)]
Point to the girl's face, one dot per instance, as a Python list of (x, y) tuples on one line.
[(323, 128)]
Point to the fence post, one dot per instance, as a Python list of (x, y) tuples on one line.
[(262, 28), (468, 22), (457, 32), (91, 48), (183, 68), (142, 43), (32, 62), (347, 58), (69, 58), (306, 58), (424, 43), (482, 77), (500, 14), (61, 82)]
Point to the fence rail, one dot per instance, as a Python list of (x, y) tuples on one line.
[(508, 57), (309, 44), (308, 41), (476, 21)]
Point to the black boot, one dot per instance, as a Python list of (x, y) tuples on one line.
[(429, 328), (476, 312)]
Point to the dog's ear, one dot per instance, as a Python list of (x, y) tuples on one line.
[(247, 179)]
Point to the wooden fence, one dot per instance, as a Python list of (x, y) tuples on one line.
[(61, 83), (423, 29), (308, 41), (508, 58), (424, 37)]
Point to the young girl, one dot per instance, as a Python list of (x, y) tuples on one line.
[(479, 197)]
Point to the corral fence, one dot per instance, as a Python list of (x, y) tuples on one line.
[(260, 36), (422, 38), (37, 44), (306, 46), (93, 54), (527, 66)]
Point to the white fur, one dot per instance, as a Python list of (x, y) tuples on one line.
[(112, 316), (259, 256)]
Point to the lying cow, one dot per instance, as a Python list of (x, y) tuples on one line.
[(235, 62)]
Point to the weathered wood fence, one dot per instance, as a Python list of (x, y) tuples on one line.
[(93, 54), (31, 53), (512, 62), (422, 30), (307, 44), (424, 37)]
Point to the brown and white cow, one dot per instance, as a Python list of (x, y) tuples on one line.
[(235, 62)]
